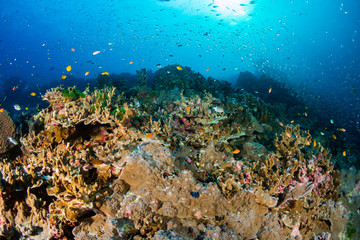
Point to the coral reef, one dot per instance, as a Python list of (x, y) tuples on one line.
[(174, 165), (7, 130)]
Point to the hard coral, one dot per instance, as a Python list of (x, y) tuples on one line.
[(7, 130)]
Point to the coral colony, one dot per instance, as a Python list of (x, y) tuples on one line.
[(183, 160)]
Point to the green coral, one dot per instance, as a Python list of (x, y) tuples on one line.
[(72, 93), (118, 112), (350, 231)]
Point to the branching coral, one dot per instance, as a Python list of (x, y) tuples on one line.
[(158, 166)]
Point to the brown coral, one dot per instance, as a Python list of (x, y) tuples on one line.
[(7, 129)]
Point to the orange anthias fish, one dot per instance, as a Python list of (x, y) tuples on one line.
[(73, 49), (236, 151), (188, 110), (63, 76), (270, 90), (179, 68), (1, 110), (344, 153), (68, 68), (87, 73), (14, 88), (207, 69), (33, 94), (96, 52), (314, 143), (149, 135)]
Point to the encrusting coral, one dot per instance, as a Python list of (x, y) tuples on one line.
[(104, 167)]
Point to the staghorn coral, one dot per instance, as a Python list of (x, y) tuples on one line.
[(152, 167), (7, 129)]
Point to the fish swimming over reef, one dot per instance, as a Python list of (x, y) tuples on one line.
[(13, 140), (17, 107)]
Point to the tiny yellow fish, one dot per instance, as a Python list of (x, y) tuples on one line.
[(306, 107), (270, 90), (292, 121), (96, 52), (149, 135), (236, 151), (334, 136), (105, 73), (314, 143), (1, 110), (188, 110), (73, 49), (179, 68), (131, 62), (281, 124), (207, 69), (68, 68), (63, 76), (305, 114), (14, 88), (33, 94), (87, 73), (341, 129), (344, 153)]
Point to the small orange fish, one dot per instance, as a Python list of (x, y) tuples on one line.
[(14, 88), (149, 135), (33, 94), (334, 136), (73, 49), (96, 52), (131, 62), (341, 129), (1, 110), (270, 90), (305, 114), (188, 110), (68, 68), (63, 76), (179, 68), (96, 162), (87, 73), (236, 151), (314, 143), (207, 69), (292, 121), (344, 153), (105, 73), (281, 124)]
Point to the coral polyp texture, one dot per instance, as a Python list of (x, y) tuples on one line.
[(7, 129), (102, 166)]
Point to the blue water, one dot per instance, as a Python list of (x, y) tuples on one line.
[(311, 46)]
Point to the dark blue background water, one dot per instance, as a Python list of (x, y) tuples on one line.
[(312, 45)]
